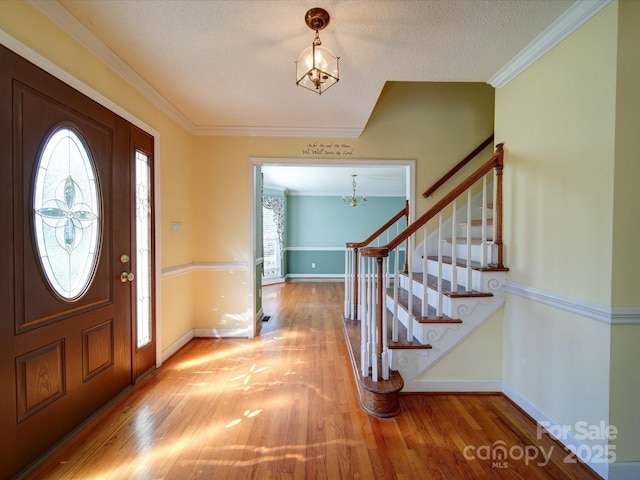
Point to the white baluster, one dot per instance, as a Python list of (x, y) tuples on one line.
[(374, 319), (364, 320), (424, 308), (385, 337), (364, 315), (483, 252), (469, 269), (410, 290), (454, 248), (347, 290), (439, 307), (396, 280), (387, 273)]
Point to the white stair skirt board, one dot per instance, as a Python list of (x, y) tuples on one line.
[(414, 363)]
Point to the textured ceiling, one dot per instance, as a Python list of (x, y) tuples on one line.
[(228, 65)]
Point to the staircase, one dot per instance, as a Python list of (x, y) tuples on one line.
[(407, 305)]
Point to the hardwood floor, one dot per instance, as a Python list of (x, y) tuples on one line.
[(284, 406)]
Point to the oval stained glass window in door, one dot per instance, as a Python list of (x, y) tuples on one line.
[(66, 205)]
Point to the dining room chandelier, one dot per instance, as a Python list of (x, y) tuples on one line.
[(354, 200), (317, 67)]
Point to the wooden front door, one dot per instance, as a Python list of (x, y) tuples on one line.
[(65, 236)]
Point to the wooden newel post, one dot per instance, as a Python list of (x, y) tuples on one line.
[(497, 255)]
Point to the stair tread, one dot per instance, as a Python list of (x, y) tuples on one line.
[(474, 265), (432, 315), (432, 282)]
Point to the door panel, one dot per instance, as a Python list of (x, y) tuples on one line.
[(60, 360), (35, 115)]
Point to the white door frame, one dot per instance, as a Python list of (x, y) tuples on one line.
[(410, 168)]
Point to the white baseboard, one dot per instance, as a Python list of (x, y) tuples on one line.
[(177, 345), (319, 277), (203, 332), (608, 471), (221, 332)]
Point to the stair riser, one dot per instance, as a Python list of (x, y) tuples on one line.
[(461, 251), (424, 333), (480, 281), (476, 231), (448, 304)]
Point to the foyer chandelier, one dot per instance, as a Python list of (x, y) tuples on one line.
[(317, 66), (354, 201)]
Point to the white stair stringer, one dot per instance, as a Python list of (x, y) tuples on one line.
[(443, 337)]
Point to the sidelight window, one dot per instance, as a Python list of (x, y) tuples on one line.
[(143, 249)]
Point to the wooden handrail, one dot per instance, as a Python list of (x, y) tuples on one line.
[(496, 161), (457, 168), (402, 213)]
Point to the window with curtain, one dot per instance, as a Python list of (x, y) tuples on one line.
[(273, 235)]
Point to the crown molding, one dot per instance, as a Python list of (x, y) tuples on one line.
[(57, 14), (67, 22), (327, 132), (575, 16)]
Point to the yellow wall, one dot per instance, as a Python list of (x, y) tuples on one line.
[(558, 121), (435, 124), (22, 22), (625, 288), (626, 233), (477, 357), (570, 123)]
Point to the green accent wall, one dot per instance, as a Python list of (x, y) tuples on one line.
[(320, 226)]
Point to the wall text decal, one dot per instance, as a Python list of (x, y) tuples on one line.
[(328, 149)]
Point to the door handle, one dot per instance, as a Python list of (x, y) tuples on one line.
[(127, 277)]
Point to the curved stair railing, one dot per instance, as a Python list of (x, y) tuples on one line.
[(422, 289)]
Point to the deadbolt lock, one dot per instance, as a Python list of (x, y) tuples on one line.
[(127, 277)]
